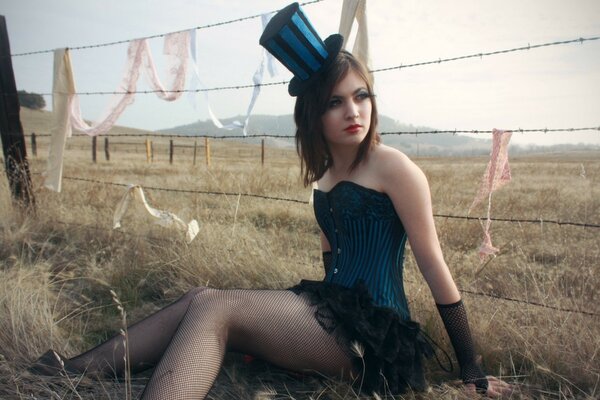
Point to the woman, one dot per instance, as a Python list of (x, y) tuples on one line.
[(371, 198)]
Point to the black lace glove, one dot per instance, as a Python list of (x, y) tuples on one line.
[(457, 326), (327, 261)]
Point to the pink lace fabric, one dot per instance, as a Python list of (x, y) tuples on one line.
[(176, 49), (496, 175)]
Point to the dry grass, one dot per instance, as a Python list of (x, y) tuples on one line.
[(57, 267)]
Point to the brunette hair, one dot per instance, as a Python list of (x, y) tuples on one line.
[(310, 106)]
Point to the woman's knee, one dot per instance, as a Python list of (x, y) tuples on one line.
[(189, 296), (204, 297)]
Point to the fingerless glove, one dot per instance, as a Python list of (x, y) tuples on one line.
[(457, 326)]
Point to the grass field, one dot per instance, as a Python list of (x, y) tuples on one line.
[(58, 266)]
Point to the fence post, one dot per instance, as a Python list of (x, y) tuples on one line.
[(33, 144), (207, 151), (262, 152), (148, 151), (171, 151), (11, 129), (94, 147), (106, 149), (195, 151)]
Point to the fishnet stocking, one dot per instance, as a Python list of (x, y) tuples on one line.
[(277, 326), (457, 326), (148, 339)]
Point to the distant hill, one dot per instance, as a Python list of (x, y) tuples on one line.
[(40, 121), (425, 145)]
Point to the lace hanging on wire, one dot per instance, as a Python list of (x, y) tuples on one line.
[(496, 175), (139, 58)]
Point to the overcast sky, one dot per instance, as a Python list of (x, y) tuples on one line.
[(553, 87)]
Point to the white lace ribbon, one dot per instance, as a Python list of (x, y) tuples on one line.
[(66, 108), (163, 218)]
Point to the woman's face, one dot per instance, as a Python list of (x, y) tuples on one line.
[(348, 116)]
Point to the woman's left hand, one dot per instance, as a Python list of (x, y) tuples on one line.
[(496, 387)]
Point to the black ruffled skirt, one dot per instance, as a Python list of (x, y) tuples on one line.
[(393, 348)]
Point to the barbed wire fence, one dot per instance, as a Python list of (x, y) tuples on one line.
[(270, 135), (465, 291), (479, 55), (385, 69)]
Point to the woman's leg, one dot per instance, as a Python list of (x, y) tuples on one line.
[(275, 325), (148, 339)]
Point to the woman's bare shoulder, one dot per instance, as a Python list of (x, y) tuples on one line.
[(393, 165)]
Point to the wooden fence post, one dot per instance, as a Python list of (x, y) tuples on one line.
[(262, 152), (148, 151), (94, 147), (195, 152), (11, 129), (106, 149), (207, 151), (33, 144), (171, 151)]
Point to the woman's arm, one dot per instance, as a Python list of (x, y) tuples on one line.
[(407, 187)]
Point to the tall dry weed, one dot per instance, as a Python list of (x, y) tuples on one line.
[(58, 267)]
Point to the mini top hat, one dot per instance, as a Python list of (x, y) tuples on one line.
[(291, 38)]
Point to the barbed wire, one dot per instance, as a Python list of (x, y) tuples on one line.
[(466, 291), (219, 88), (209, 192), (477, 131), (276, 136), (528, 221), (397, 67), (490, 53), (92, 46), (190, 191), (533, 303)]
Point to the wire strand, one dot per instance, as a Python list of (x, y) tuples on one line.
[(92, 46), (189, 191), (470, 292), (270, 135), (533, 303), (490, 53), (397, 67)]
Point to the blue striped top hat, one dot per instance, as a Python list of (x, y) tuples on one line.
[(291, 38)]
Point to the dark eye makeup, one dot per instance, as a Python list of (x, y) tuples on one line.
[(360, 95)]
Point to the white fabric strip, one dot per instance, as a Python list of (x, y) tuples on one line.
[(356, 10), (257, 78), (67, 109), (196, 83), (63, 88), (164, 218)]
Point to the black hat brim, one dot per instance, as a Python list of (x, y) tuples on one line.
[(333, 44)]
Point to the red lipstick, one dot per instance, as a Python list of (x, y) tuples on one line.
[(353, 128)]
